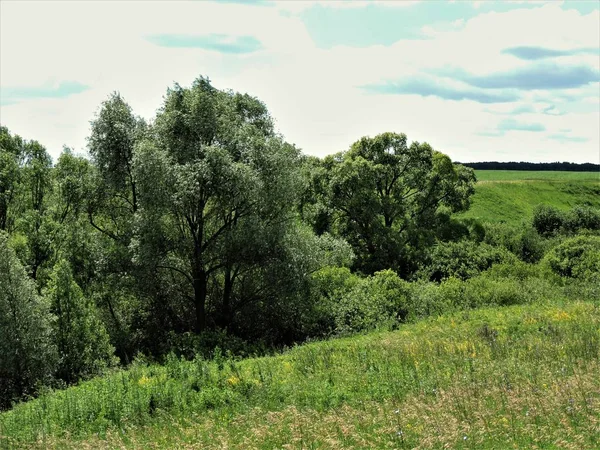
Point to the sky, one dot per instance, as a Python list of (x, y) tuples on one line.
[(477, 80)]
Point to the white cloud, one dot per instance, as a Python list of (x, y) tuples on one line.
[(313, 93)]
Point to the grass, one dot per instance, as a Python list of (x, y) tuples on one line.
[(511, 196), (520, 376), (526, 175)]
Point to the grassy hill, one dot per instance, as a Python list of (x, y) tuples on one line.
[(510, 196), (505, 377), (521, 376)]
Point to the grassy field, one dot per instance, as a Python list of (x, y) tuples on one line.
[(511, 196), (515, 377), (525, 175)]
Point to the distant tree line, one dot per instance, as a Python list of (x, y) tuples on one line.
[(556, 166)]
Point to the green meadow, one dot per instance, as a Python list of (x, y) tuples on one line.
[(510, 195), (514, 377)]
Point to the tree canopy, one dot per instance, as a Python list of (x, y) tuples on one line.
[(384, 196)]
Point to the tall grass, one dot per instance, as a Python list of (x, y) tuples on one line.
[(515, 376)]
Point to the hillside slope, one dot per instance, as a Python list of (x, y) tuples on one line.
[(520, 376), (511, 196)]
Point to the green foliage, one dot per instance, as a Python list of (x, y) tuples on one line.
[(205, 233), (577, 257), (378, 301), (27, 354), (547, 220), (582, 218), (115, 131), (521, 240), (11, 154), (83, 344), (348, 303), (462, 259), (217, 191), (384, 195)]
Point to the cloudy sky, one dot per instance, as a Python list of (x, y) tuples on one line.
[(478, 80)]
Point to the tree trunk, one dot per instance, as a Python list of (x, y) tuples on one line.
[(200, 288), (227, 289)]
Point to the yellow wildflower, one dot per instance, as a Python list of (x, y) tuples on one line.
[(561, 315), (233, 380)]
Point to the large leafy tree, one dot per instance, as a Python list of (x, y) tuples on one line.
[(384, 196), (112, 202), (217, 189)]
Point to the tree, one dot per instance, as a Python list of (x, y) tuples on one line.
[(83, 344), (35, 222), (112, 203), (115, 131), (217, 194), (385, 197), (27, 354), (11, 154)]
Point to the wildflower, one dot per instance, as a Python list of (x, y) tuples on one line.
[(464, 438), (233, 380), (144, 380), (397, 411)]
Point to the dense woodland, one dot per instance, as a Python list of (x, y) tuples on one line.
[(557, 166), (205, 229)]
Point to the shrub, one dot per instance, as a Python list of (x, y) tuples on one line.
[(582, 218), (577, 257), (379, 301), (329, 286), (433, 299), (524, 242), (547, 220), (462, 260), (83, 343), (210, 344)]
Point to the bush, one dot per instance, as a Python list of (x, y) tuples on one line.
[(577, 257), (433, 299), (462, 260), (547, 220), (82, 341), (582, 218), (524, 242), (329, 286), (210, 344), (376, 302)]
